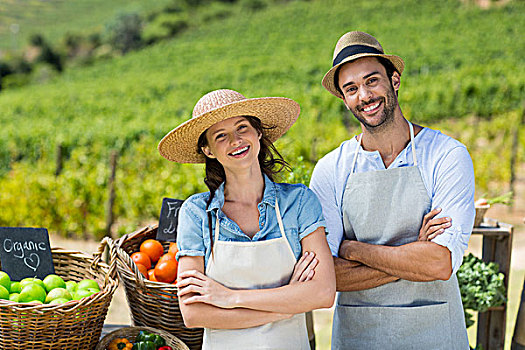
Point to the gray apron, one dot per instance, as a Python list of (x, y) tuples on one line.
[(387, 207)]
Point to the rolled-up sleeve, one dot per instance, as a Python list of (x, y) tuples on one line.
[(454, 194), (310, 214), (190, 240), (322, 183)]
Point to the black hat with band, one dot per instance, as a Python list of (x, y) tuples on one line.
[(351, 46)]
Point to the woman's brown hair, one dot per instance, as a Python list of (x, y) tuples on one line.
[(270, 161)]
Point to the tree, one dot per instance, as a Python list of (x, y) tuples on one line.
[(125, 32)]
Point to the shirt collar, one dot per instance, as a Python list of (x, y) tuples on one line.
[(269, 195), (218, 199), (402, 158), (270, 191)]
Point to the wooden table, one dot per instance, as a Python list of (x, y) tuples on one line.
[(497, 246)]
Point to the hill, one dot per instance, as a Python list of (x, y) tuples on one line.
[(465, 74), (54, 18)]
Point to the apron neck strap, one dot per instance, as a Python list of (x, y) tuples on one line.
[(217, 226), (281, 227), (279, 220), (360, 137), (412, 142)]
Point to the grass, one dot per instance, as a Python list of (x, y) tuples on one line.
[(129, 103), (284, 50), (54, 18)]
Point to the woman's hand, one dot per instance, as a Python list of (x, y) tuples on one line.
[(204, 290), (431, 227), (304, 269)]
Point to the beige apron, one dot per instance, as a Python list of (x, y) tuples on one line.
[(255, 265), (387, 207)]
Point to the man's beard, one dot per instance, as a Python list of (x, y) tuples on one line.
[(387, 117)]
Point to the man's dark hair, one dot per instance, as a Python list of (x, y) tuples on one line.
[(389, 68)]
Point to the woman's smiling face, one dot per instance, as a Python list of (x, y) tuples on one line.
[(234, 142)]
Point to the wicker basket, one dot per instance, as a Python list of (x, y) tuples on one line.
[(480, 214), (130, 333), (76, 324), (152, 304)]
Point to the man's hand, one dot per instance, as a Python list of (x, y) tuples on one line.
[(430, 228), (345, 251)]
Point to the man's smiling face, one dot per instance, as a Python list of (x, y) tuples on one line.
[(368, 92)]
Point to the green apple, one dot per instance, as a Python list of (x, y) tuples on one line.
[(28, 280), (59, 301), (57, 293), (14, 297), (5, 280), (4, 293), (15, 287), (53, 281), (32, 292), (71, 286), (88, 283), (82, 293)]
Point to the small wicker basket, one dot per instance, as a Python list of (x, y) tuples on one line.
[(480, 214), (152, 304), (76, 324), (130, 333)]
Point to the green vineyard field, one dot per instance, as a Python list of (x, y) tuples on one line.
[(465, 75)]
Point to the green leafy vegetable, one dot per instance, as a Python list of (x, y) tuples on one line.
[(481, 286)]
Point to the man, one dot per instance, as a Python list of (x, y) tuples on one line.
[(379, 192)]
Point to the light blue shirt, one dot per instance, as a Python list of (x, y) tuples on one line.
[(447, 172), (300, 209)]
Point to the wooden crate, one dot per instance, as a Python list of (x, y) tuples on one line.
[(497, 247)]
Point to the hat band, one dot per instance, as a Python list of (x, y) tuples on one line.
[(354, 50)]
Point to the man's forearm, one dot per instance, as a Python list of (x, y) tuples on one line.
[(417, 261), (352, 276)]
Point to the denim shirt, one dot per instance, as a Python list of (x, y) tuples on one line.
[(300, 209)]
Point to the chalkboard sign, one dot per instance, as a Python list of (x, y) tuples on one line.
[(169, 218), (25, 252)]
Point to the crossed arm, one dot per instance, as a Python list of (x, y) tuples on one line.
[(211, 316), (206, 303), (363, 266)]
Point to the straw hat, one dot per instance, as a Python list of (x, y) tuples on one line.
[(180, 144), (354, 45)]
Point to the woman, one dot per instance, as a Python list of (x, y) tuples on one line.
[(241, 274)]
